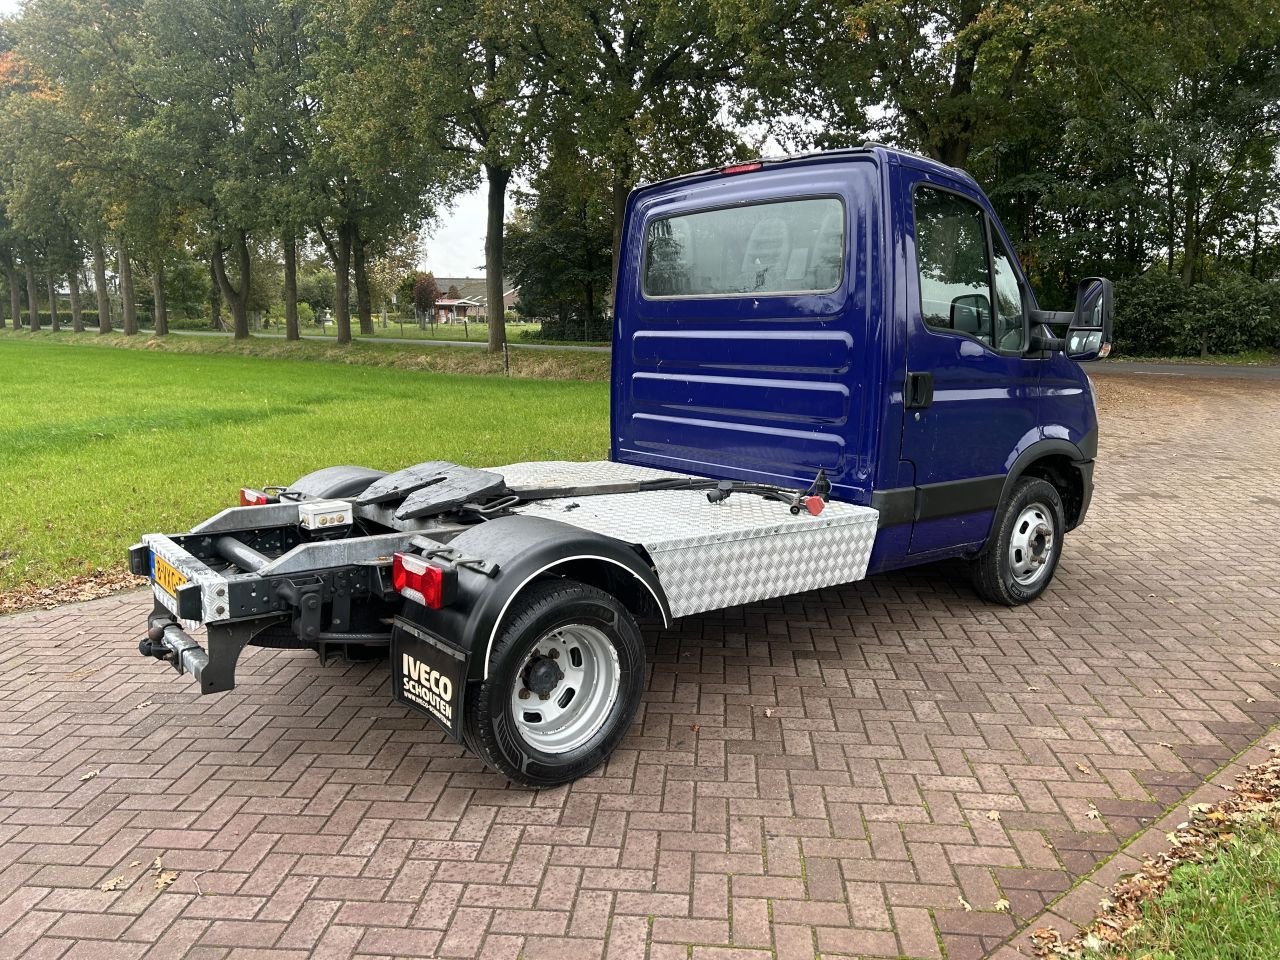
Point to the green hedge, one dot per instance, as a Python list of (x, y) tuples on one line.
[(1158, 315)]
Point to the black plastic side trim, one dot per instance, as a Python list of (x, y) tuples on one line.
[(896, 506), (937, 500)]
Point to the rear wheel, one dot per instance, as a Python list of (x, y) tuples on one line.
[(565, 678), (1021, 556)]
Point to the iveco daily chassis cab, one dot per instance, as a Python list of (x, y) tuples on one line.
[(824, 367)]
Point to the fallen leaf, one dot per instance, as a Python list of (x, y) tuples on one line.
[(136, 863), (968, 907), (768, 711), (993, 816), (1033, 689), (144, 703), (115, 883), (90, 775), (1002, 905), (1083, 768), (695, 728), (157, 865), (1093, 813), (165, 877), (1250, 700), (1167, 746)]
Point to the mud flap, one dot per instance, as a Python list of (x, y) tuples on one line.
[(429, 674)]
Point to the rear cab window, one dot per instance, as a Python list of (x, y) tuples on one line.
[(774, 247)]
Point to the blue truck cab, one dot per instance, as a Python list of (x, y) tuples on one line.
[(859, 313), (823, 367)]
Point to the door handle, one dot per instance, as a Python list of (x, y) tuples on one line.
[(919, 392)]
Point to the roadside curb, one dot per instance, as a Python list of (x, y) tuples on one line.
[(1078, 906)]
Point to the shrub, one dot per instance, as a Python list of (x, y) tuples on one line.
[(1157, 314)]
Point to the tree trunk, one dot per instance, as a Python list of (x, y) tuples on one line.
[(73, 285), (128, 299), (341, 255), (157, 293), (364, 304), (55, 322), (215, 298), (100, 287), (238, 300), (33, 304), (291, 331), (15, 296), (494, 267)]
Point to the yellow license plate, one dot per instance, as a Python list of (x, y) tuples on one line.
[(165, 576)]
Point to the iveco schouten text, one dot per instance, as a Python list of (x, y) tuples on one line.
[(824, 367)]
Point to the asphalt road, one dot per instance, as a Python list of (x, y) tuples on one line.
[(1223, 371), (478, 344)]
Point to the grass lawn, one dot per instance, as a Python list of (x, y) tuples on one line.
[(1228, 909), (99, 445), (536, 364)]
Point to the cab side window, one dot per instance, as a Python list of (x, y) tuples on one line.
[(951, 255), (1008, 319)]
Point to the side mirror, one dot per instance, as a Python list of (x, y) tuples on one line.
[(971, 313), (1089, 336)]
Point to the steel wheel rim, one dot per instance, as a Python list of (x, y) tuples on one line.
[(1031, 544), (565, 688)]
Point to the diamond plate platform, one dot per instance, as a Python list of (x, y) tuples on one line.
[(710, 556)]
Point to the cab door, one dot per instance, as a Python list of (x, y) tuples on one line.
[(971, 398)]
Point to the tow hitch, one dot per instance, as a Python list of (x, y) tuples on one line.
[(214, 668)]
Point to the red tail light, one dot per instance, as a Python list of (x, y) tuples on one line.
[(742, 167), (250, 497), (416, 578)]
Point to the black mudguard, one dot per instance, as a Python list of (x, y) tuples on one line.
[(517, 550)]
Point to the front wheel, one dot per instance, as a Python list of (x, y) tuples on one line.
[(1022, 553), (565, 678)]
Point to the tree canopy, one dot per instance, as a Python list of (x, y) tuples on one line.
[(294, 140)]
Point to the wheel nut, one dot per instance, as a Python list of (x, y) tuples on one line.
[(544, 696), (524, 693), (555, 654)]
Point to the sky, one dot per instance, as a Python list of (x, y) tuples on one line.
[(454, 247)]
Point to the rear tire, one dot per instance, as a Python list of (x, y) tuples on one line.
[(1020, 557), (565, 679)]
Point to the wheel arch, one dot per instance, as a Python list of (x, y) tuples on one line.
[(1057, 462), (520, 552)]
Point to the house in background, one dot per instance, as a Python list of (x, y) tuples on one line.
[(465, 298), (456, 310)]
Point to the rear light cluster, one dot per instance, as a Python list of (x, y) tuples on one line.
[(250, 497), (418, 579), (733, 168)]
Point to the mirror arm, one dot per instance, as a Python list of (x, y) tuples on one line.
[(1042, 338), (1053, 318)]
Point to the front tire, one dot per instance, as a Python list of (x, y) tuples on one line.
[(565, 679), (1019, 560)]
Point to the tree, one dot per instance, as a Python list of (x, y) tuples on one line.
[(425, 294), (640, 87), (560, 247), (443, 85)]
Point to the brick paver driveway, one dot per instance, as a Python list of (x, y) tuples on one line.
[(862, 771)]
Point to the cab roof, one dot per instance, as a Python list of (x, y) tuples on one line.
[(870, 148)]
